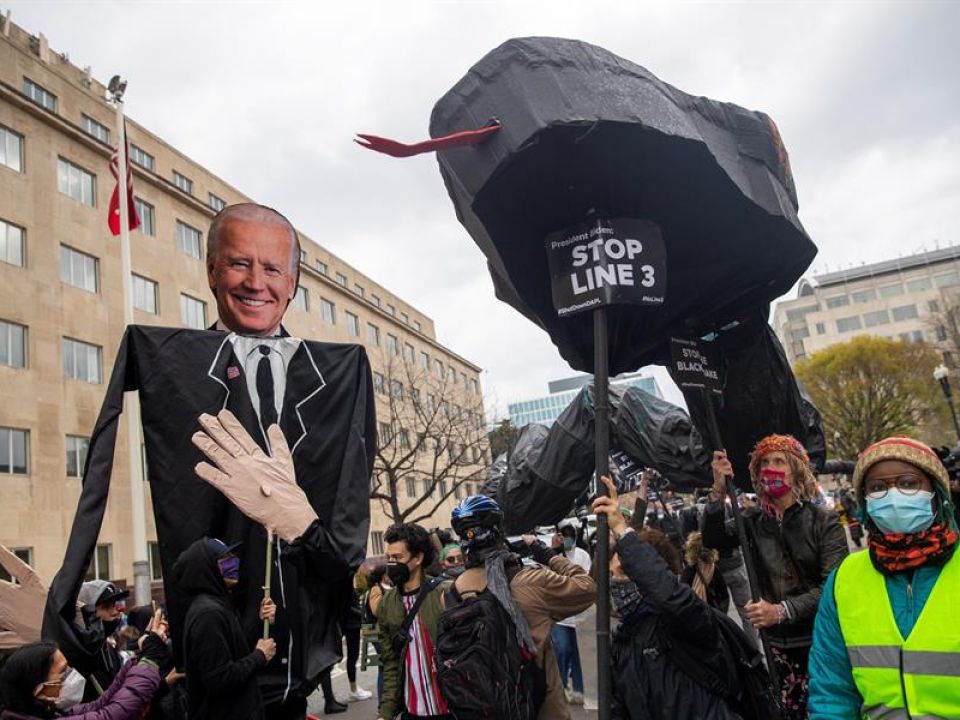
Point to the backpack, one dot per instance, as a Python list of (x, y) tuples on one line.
[(483, 672), (746, 686)]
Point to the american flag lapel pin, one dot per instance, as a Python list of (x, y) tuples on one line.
[(233, 372)]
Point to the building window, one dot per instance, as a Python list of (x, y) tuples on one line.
[(379, 383), (941, 333), (376, 542), (143, 158), (321, 267), (862, 296), (12, 250), (193, 312), (799, 334), (919, 284), (458, 491), (890, 290), (78, 269), (438, 367), (156, 568), (76, 455), (838, 301), (11, 149), (916, 336), (183, 182), (373, 334), (81, 361), (411, 487), (328, 312), (13, 344), (404, 439), (933, 306), (301, 300), (415, 396), (878, 317), (392, 310), (75, 182), (14, 450), (99, 568), (452, 375), (393, 345), (95, 129), (396, 389), (905, 312), (188, 240), (40, 95), (144, 294), (417, 326), (303, 257), (425, 361), (147, 215), (848, 324), (25, 554), (375, 300), (404, 318), (384, 432), (821, 329), (217, 203), (800, 313), (409, 354), (946, 280), (341, 279), (353, 325), (358, 289), (442, 487)]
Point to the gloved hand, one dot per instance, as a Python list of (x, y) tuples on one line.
[(538, 550), (21, 605), (262, 487)]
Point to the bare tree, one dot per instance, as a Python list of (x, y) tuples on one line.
[(431, 436)]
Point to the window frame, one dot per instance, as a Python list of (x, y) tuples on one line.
[(182, 182), (29, 88), (65, 181), (134, 277), (25, 433), (7, 327), (21, 143), (72, 254), (203, 306), (81, 455), (74, 345)]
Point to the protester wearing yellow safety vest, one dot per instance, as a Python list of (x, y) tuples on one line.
[(886, 640)]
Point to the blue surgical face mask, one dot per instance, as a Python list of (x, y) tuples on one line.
[(899, 513), (568, 543)]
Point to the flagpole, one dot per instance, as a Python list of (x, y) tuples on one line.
[(141, 564)]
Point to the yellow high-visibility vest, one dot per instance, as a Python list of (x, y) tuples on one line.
[(914, 678)]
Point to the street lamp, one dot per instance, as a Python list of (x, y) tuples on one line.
[(941, 374)]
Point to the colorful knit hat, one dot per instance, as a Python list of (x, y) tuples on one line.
[(777, 443), (905, 450)]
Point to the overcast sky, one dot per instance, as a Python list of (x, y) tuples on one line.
[(270, 95)]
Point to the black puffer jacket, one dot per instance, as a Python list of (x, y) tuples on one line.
[(221, 669), (647, 683), (794, 559)]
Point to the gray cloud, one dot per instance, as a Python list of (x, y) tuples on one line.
[(269, 96)]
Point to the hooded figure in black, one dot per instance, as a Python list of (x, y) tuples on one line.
[(220, 666)]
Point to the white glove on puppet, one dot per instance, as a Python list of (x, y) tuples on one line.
[(21, 605), (262, 487)]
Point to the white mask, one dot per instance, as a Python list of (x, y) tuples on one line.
[(71, 690)]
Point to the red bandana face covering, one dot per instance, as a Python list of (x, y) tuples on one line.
[(895, 552), (774, 482)]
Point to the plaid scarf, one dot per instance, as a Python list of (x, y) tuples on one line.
[(894, 552)]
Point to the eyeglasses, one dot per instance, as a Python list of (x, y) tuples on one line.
[(907, 483), (63, 677), (453, 558)]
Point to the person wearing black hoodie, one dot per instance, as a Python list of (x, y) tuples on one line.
[(219, 664)]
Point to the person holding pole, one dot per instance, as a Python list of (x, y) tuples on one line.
[(794, 544), (886, 641)]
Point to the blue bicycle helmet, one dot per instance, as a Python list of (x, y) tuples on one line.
[(476, 511)]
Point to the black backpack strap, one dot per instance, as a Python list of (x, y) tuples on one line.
[(403, 635)]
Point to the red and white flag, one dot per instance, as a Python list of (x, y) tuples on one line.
[(113, 218)]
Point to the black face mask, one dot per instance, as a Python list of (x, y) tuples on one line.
[(399, 574)]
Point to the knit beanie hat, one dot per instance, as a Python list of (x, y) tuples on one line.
[(776, 443), (905, 450)]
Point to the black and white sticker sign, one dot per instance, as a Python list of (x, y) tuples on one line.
[(694, 366), (607, 262)]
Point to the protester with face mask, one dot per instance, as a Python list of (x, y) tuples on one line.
[(795, 546), (407, 618), (660, 619), (100, 609), (451, 559), (36, 682), (887, 636), (221, 669), (564, 633)]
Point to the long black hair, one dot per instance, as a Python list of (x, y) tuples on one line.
[(23, 670)]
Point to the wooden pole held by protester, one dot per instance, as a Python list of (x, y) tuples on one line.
[(266, 580)]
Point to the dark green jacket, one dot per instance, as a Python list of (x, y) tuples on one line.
[(390, 615)]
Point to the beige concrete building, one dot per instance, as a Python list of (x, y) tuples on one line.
[(898, 299), (61, 311)]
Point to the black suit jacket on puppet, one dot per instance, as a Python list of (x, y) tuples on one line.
[(328, 419)]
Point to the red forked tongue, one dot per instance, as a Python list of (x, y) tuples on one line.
[(393, 148)]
